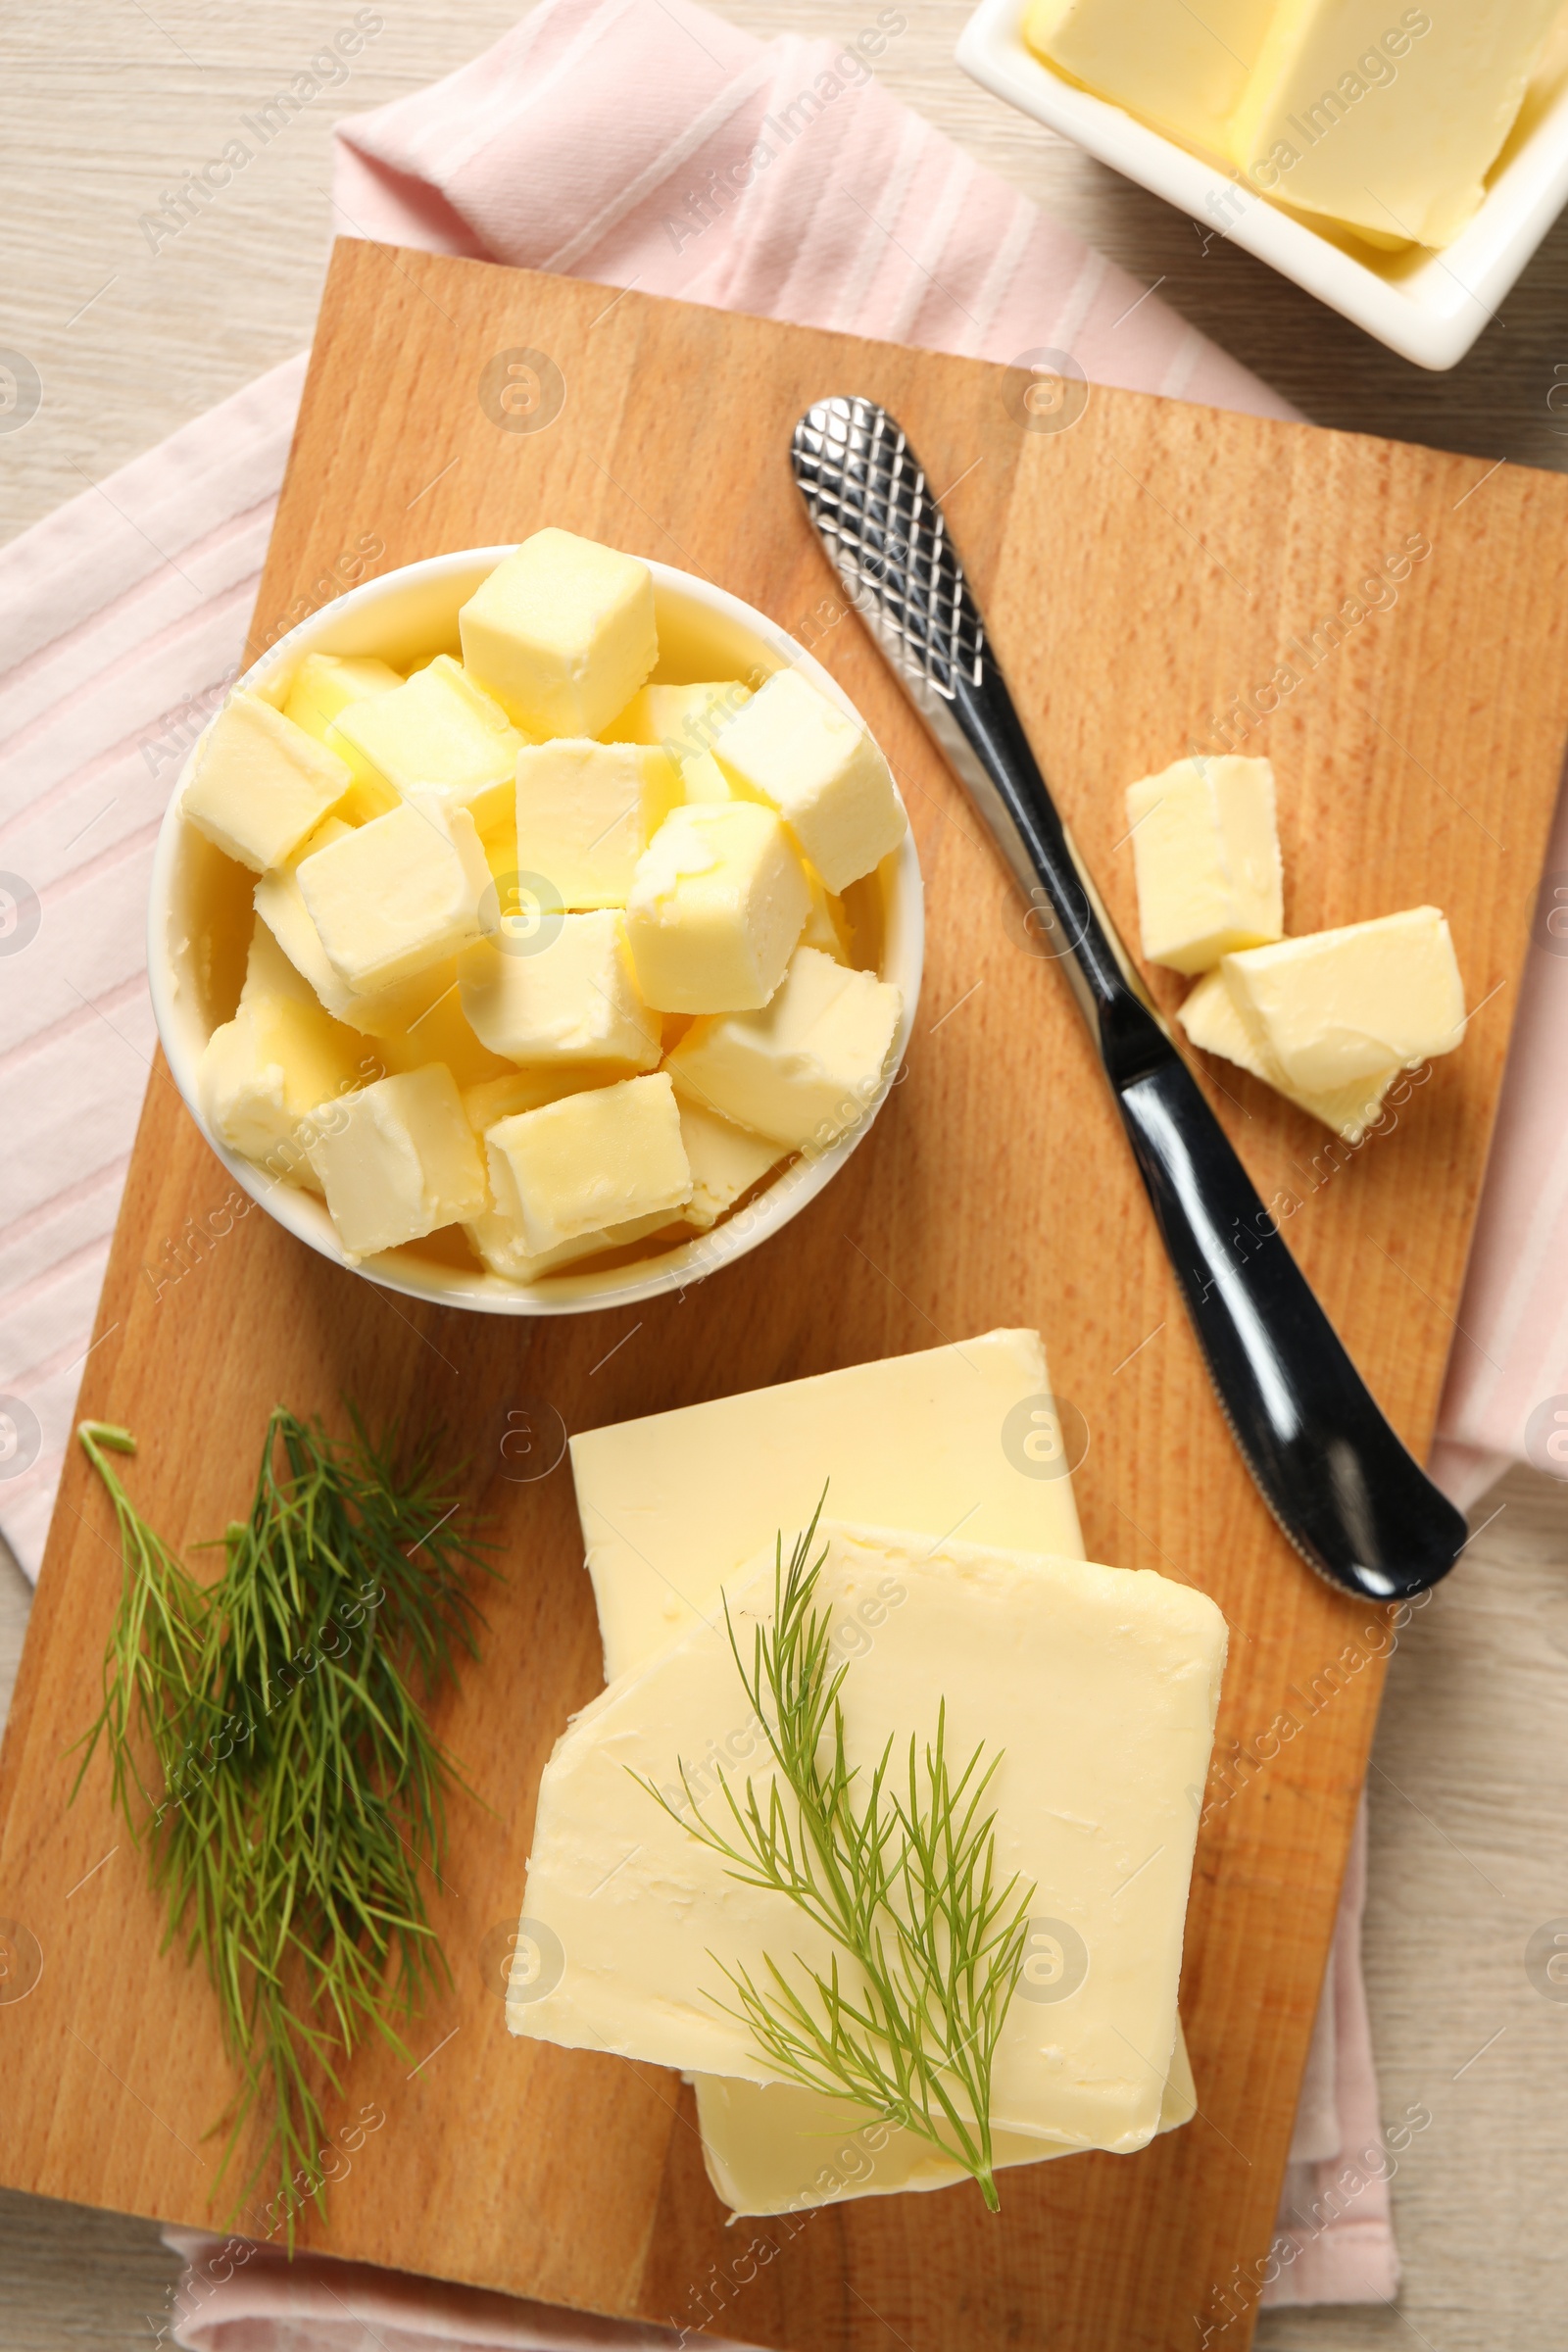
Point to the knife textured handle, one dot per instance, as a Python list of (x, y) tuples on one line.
[(888, 537), (1344, 1488)]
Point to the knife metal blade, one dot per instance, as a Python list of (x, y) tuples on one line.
[(1346, 1493)]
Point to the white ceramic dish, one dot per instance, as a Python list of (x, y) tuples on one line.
[(1429, 307), (408, 614)]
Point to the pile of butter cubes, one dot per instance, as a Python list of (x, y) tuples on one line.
[(543, 951), (1385, 120), (1328, 1019)]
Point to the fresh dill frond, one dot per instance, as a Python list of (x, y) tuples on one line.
[(300, 1792), (899, 1873)]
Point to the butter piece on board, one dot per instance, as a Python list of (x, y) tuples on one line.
[(1335, 1006), (1206, 859), (1210, 1019), (776, 2147), (957, 1440), (1092, 1689)]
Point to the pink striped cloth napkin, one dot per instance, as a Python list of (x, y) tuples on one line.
[(636, 142)]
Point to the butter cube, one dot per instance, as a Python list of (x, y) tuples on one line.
[(398, 894), (1092, 1692), (269, 971), (281, 908), (283, 911), (1206, 859), (1212, 1022), (805, 1068), (716, 910), (1388, 123), (591, 1160), (574, 1000), (827, 926), (1340, 1006), (1182, 69), (498, 1240), (325, 684), (586, 811), (497, 1098), (436, 733), (705, 779), (820, 770), (561, 633), (261, 784), (726, 1161), (433, 1027), (682, 720), (264, 1071), (399, 1161)]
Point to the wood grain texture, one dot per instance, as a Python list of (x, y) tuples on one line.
[(1138, 571)]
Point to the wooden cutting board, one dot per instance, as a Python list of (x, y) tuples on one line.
[(1144, 572)]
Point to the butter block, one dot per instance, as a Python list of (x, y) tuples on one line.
[(397, 1161), (261, 784), (1339, 1006), (398, 894), (561, 633), (1206, 859), (682, 720), (585, 813), (498, 1238), (1389, 120), (775, 2147), (715, 908), (593, 1159), (574, 1001), (1182, 69), (264, 1071), (913, 1441), (1212, 1022), (799, 754), (436, 733), (805, 1067), (1092, 1689), (325, 684), (726, 1161)]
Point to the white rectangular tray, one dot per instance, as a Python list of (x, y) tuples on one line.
[(1429, 307)]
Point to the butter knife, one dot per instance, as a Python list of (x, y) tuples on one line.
[(1345, 1490)]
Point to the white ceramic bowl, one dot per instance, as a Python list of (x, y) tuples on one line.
[(1429, 307), (199, 922)]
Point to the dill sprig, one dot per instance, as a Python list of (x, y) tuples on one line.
[(297, 1790), (903, 1879)]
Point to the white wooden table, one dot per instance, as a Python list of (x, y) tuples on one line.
[(104, 106)]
